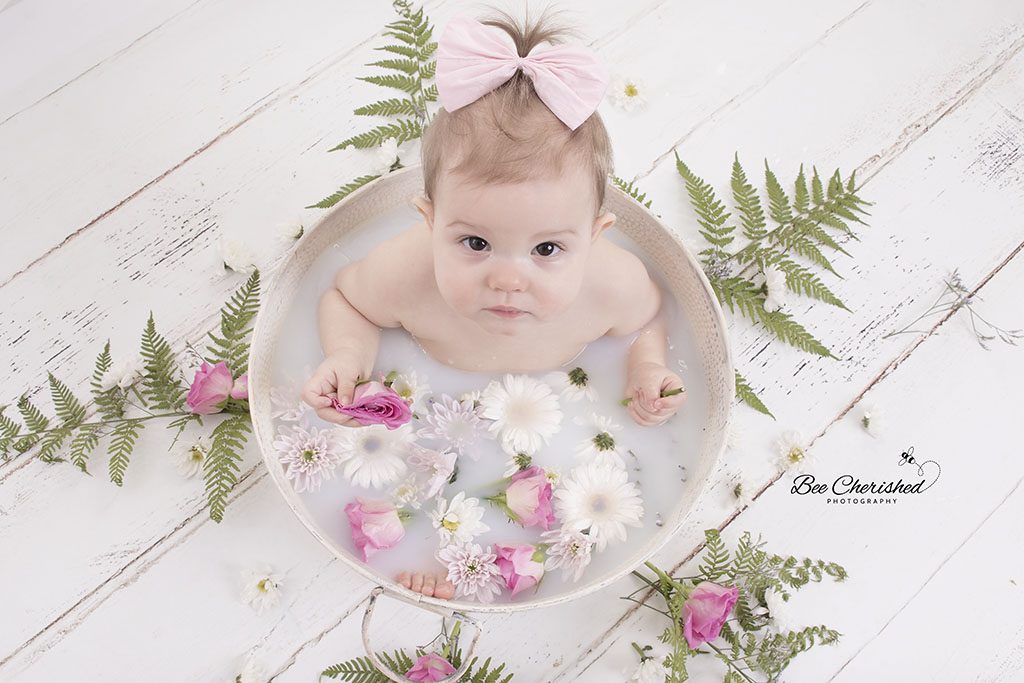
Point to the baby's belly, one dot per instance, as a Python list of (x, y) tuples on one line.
[(526, 355)]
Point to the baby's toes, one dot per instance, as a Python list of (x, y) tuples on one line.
[(417, 582), (444, 589), (405, 579)]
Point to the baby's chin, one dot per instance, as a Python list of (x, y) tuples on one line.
[(506, 327)]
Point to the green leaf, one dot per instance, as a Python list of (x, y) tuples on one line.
[(407, 84), (711, 213), (407, 66), (236, 317), (632, 191), (778, 202), (799, 279), (220, 468), (716, 557), (747, 395), (410, 52), (35, 422), (9, 430), (816, 191), (801, 199), (82, 446), (402, 130), (122, 442), (109, 403), (356, 670), (51, 443), (162, 386), (749, 204), (69, 409), (345, 191), (396, 106)]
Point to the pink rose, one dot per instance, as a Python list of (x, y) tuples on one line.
[(375, 403), (240, 389), (375, 525), (430, 667), (706, 610), (521, 566), (210, 389), (528, 496)]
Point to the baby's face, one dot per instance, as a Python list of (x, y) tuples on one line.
[(522, 246)]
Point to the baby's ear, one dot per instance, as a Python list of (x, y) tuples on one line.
[(602, 223), (426, 209)]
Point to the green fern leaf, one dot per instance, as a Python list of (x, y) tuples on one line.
[(122, 442), (9, 430), (711, 213), (345, 191), (798, 240), (407, 66), (82, 446), (790, 331), (236, 318), (747, 395), (749, 204), (396, 106), (51, 443), (220, 469), (402, 130), (778, 202), (69, 409), (801, 198), (411, 53), (816, 232), (103, 363), (716, 556), (162, 386), (110, 403), (407, 84), (817, 193), (430, 94), (429, 70), (356, 670), (799, 279), (35, 422), (632, 191)]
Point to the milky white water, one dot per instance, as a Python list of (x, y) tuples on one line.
[(662, 453)]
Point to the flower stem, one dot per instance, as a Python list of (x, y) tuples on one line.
[(665, 393), (101, 423)]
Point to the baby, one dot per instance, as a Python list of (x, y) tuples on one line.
[(509, 270)]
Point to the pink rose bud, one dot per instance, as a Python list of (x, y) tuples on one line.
[(706, 610), (210, 388), (375, 525), (374, 403), (430, 667), (522, 566), (528, 496), (240, 389)]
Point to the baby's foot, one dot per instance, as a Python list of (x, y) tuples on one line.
[(434, 585)]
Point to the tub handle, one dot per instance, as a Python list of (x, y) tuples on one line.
[(467, 656)]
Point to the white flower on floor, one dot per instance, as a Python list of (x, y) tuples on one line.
[(408, 386), (387, 155), (261, 588), (517, 463), (794, 452), (775, 282), (733, 436), (373, 456), (458, 521), (742, 490), (573, 385), (190, 460), (286, 405), (308, 454), (473, 570), (628, 93), (779, 612), (871, 418), (599, 497), (649, 671), (570, 550), (252, 672), (236, 255), (524, 411), (122, 374), (437, 465), (290, 230), (456, 423), (602, 446)]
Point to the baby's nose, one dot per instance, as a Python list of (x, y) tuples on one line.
[(506, 277)]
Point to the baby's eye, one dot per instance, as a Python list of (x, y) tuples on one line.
[(547, 248), (474, 243)]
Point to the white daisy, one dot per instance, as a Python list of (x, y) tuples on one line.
[(286, 405), (628, 93), (308, 454), (650, 671), (122, 374), (573, 385), (779, 612), (554, 475), (517, 463), (437, 465), (261, 588), (775, 282), (473, 570), (742, 489), (793, 451), (459, 520), (374, 456), (456, 423), (190, 460), (524, 411), (601, 446), (408, 386), (252, 672), (291, 230), (236, 256), (408, 492), (387, 155), (599, 497), (471, 396), (871, 418), (570, 550)]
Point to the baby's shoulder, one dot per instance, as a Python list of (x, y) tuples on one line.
[(625, 287)]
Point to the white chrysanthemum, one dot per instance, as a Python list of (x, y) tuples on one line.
[(471, 396), (308, 454), (599, 497), (628, 93), (650, 671), (409, 492), (236, 255), (473, 570), (517, 463), (290, 230), (573, 385), (570, 550), (779, 612), (871, 418), (122, 374), (456, 423), (286, 405), (794, 452), (775, 282), (437, 465), (261, 588), (524, 411), (386, 156), (374, 456), (600, 445), (459, 520), (554, 475), (742, 490), (412, 389), (252, 672), (190, 460)]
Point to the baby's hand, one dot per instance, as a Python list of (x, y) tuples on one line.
[(644, 386), (335, 378)]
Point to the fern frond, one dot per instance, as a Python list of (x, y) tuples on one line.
[(396, 106), (799, 279), (749, 204), (82, 446), (69, 409), (817, 194), (745, 394), (35, 422), (800, 242), (402, 130), (430, 94), (801, 198), (716, 557), (632, 191), (345, 191), (162, 386), (220, 468), (109, 403), (711, 213), (407, 84), (410, 52), (356, 670), (9, 430), (407, 66), (51, 443), (739, 293), (236, 317), (122, 442), (778, 202)]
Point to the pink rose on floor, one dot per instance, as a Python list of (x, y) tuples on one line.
[(210, 388), (522, 566), (240, 389), (528, 496), (705, 610), (375, 525), (430, 667), (375, 403)]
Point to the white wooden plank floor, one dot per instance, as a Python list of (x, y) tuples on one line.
[(134, 134)]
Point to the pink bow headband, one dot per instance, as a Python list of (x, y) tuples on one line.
[(473, 59)]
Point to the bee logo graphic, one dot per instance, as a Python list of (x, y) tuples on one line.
[(907, 458)]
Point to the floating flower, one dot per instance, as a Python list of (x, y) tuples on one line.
[(374, 456), (573, 385), (236, 256), (793, 450), (527, 498), (456, 423), (408, 386), (375, 525), (472, 570), (775, 283), (211, 388), (430, 667), (705, 610), (521, 566), (459, 520), (261, 588), (779, 612), (408, 492), (599, 497), (122, 374), (374, 403), (524, 411), (570, 550), (554, 476), (471, 396), (308, 454), (517, 463), (190, 460), (437, 465), (871, 418), (601, 447), (628, 93), (286, 405)]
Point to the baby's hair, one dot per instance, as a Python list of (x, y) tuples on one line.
[(509, 135)]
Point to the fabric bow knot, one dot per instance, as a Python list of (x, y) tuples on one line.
[(473, 59)]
